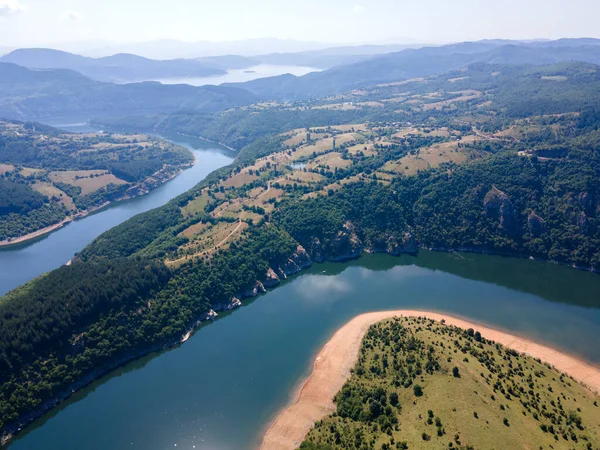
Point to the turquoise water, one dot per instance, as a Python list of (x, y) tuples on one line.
[(21, 263), (221, 388)]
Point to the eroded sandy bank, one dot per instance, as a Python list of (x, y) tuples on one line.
[(314, 399)]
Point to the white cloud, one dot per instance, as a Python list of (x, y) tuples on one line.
[(10, 7), (321, 288), (69, 14), (357, 9)]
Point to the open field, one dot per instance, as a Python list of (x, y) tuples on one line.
[(88, 180), (51, 191), (430, 157), (28, 172), (473, 405), (5, 168)]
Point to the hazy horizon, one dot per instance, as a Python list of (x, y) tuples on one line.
[(75, 25)]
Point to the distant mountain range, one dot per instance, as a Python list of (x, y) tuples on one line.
[(47, 93), (117, 68), (412, 63), (171, 48), (125, 67)]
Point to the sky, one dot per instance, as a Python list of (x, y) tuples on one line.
[(26, 23)]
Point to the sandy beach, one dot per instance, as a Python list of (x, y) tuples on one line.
[(314, 398)]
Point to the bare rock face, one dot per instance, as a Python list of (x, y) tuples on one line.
[(316, 250), (346, 245), (581, 220), (295, 263), (497, 205), (253, 290), (587, 202), (270, 279), (408, 245), (233, 303), (537, 225)]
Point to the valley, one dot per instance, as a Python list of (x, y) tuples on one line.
[(465, 156)]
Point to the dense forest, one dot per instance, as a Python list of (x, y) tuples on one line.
[(458, 161), (83, 317)]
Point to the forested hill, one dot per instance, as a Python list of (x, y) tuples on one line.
[(422, 62), (116, 68), (48, 176), (36, 94), (487, 158)]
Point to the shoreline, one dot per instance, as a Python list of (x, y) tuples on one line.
[(83, 214), (313, 398)]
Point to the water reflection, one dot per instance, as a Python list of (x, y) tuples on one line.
[(221, 388)]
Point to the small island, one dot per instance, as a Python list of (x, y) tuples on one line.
[(49, 177), (410, 379)]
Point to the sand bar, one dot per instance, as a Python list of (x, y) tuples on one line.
[(314, 399)]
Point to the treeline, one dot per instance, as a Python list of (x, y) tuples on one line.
[(133, 171), (80, 318), (18, 198), (506, 204), (376, 213), (18, 224)]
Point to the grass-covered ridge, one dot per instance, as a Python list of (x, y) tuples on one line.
[(421, 384)]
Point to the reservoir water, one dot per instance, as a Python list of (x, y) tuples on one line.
[(242, 75), (21, 263), (220, 389)]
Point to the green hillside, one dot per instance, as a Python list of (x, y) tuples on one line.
[(488, 158), (419, 384)]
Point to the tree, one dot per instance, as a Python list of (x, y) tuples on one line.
[(456, 372), (393, 399), (418, 390)]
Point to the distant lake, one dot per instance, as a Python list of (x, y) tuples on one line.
[(242, 75)]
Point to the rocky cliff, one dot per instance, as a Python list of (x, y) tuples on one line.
[(498, 206)]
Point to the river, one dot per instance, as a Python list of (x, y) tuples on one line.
[(220, 389), (21, 263)]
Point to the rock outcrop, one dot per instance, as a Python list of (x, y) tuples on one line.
[(581, 220), (298, 261), (316, 250), (294, 264), (270, 279), (537, 225), (346, 245), (498, 206), (253, 290), (407, 245)]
